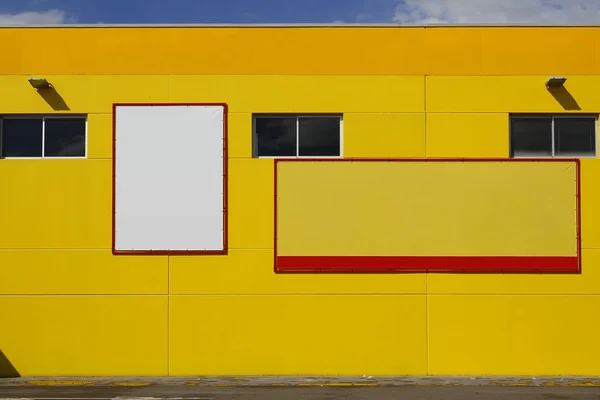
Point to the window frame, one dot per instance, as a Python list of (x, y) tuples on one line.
[(297, 117), (43, 117), (553, 133)]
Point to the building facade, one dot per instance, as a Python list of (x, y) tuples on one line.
[(300, 200)]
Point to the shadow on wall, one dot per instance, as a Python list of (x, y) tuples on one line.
[(54, 99), (564, 98), (7, 370)]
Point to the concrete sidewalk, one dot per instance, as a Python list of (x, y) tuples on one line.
[(299, 381)]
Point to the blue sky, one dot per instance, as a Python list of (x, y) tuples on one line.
[(24, 12), (207, 11)]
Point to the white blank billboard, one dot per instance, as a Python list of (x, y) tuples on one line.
[(169, 179)]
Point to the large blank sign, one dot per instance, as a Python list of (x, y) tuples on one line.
[(169, 166), (501, 216)]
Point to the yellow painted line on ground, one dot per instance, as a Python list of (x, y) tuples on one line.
[(61, 383), (575, 384)]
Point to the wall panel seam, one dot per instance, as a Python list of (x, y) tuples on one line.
[(298, 294)]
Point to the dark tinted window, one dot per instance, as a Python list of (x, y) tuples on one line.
[(531, 137), (65, 137), (575, 136), (21, 137), (319, 137), (275, 137)]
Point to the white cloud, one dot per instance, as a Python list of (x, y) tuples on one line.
[(498, 11), (35, 18), (364, 17)]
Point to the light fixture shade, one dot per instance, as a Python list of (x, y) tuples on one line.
[(556, 81), (40, 83)]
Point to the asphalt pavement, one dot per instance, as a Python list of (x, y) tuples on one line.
[(301, 388), (299, 393)]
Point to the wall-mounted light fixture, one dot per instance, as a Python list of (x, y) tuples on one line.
[(40, 83), (556, 81)]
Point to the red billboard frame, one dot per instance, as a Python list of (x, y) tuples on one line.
[(224, 251), (431, 264)]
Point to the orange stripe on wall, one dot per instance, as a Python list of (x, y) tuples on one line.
[(340, 50)]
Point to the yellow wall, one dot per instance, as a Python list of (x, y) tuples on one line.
[(68, 307)]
